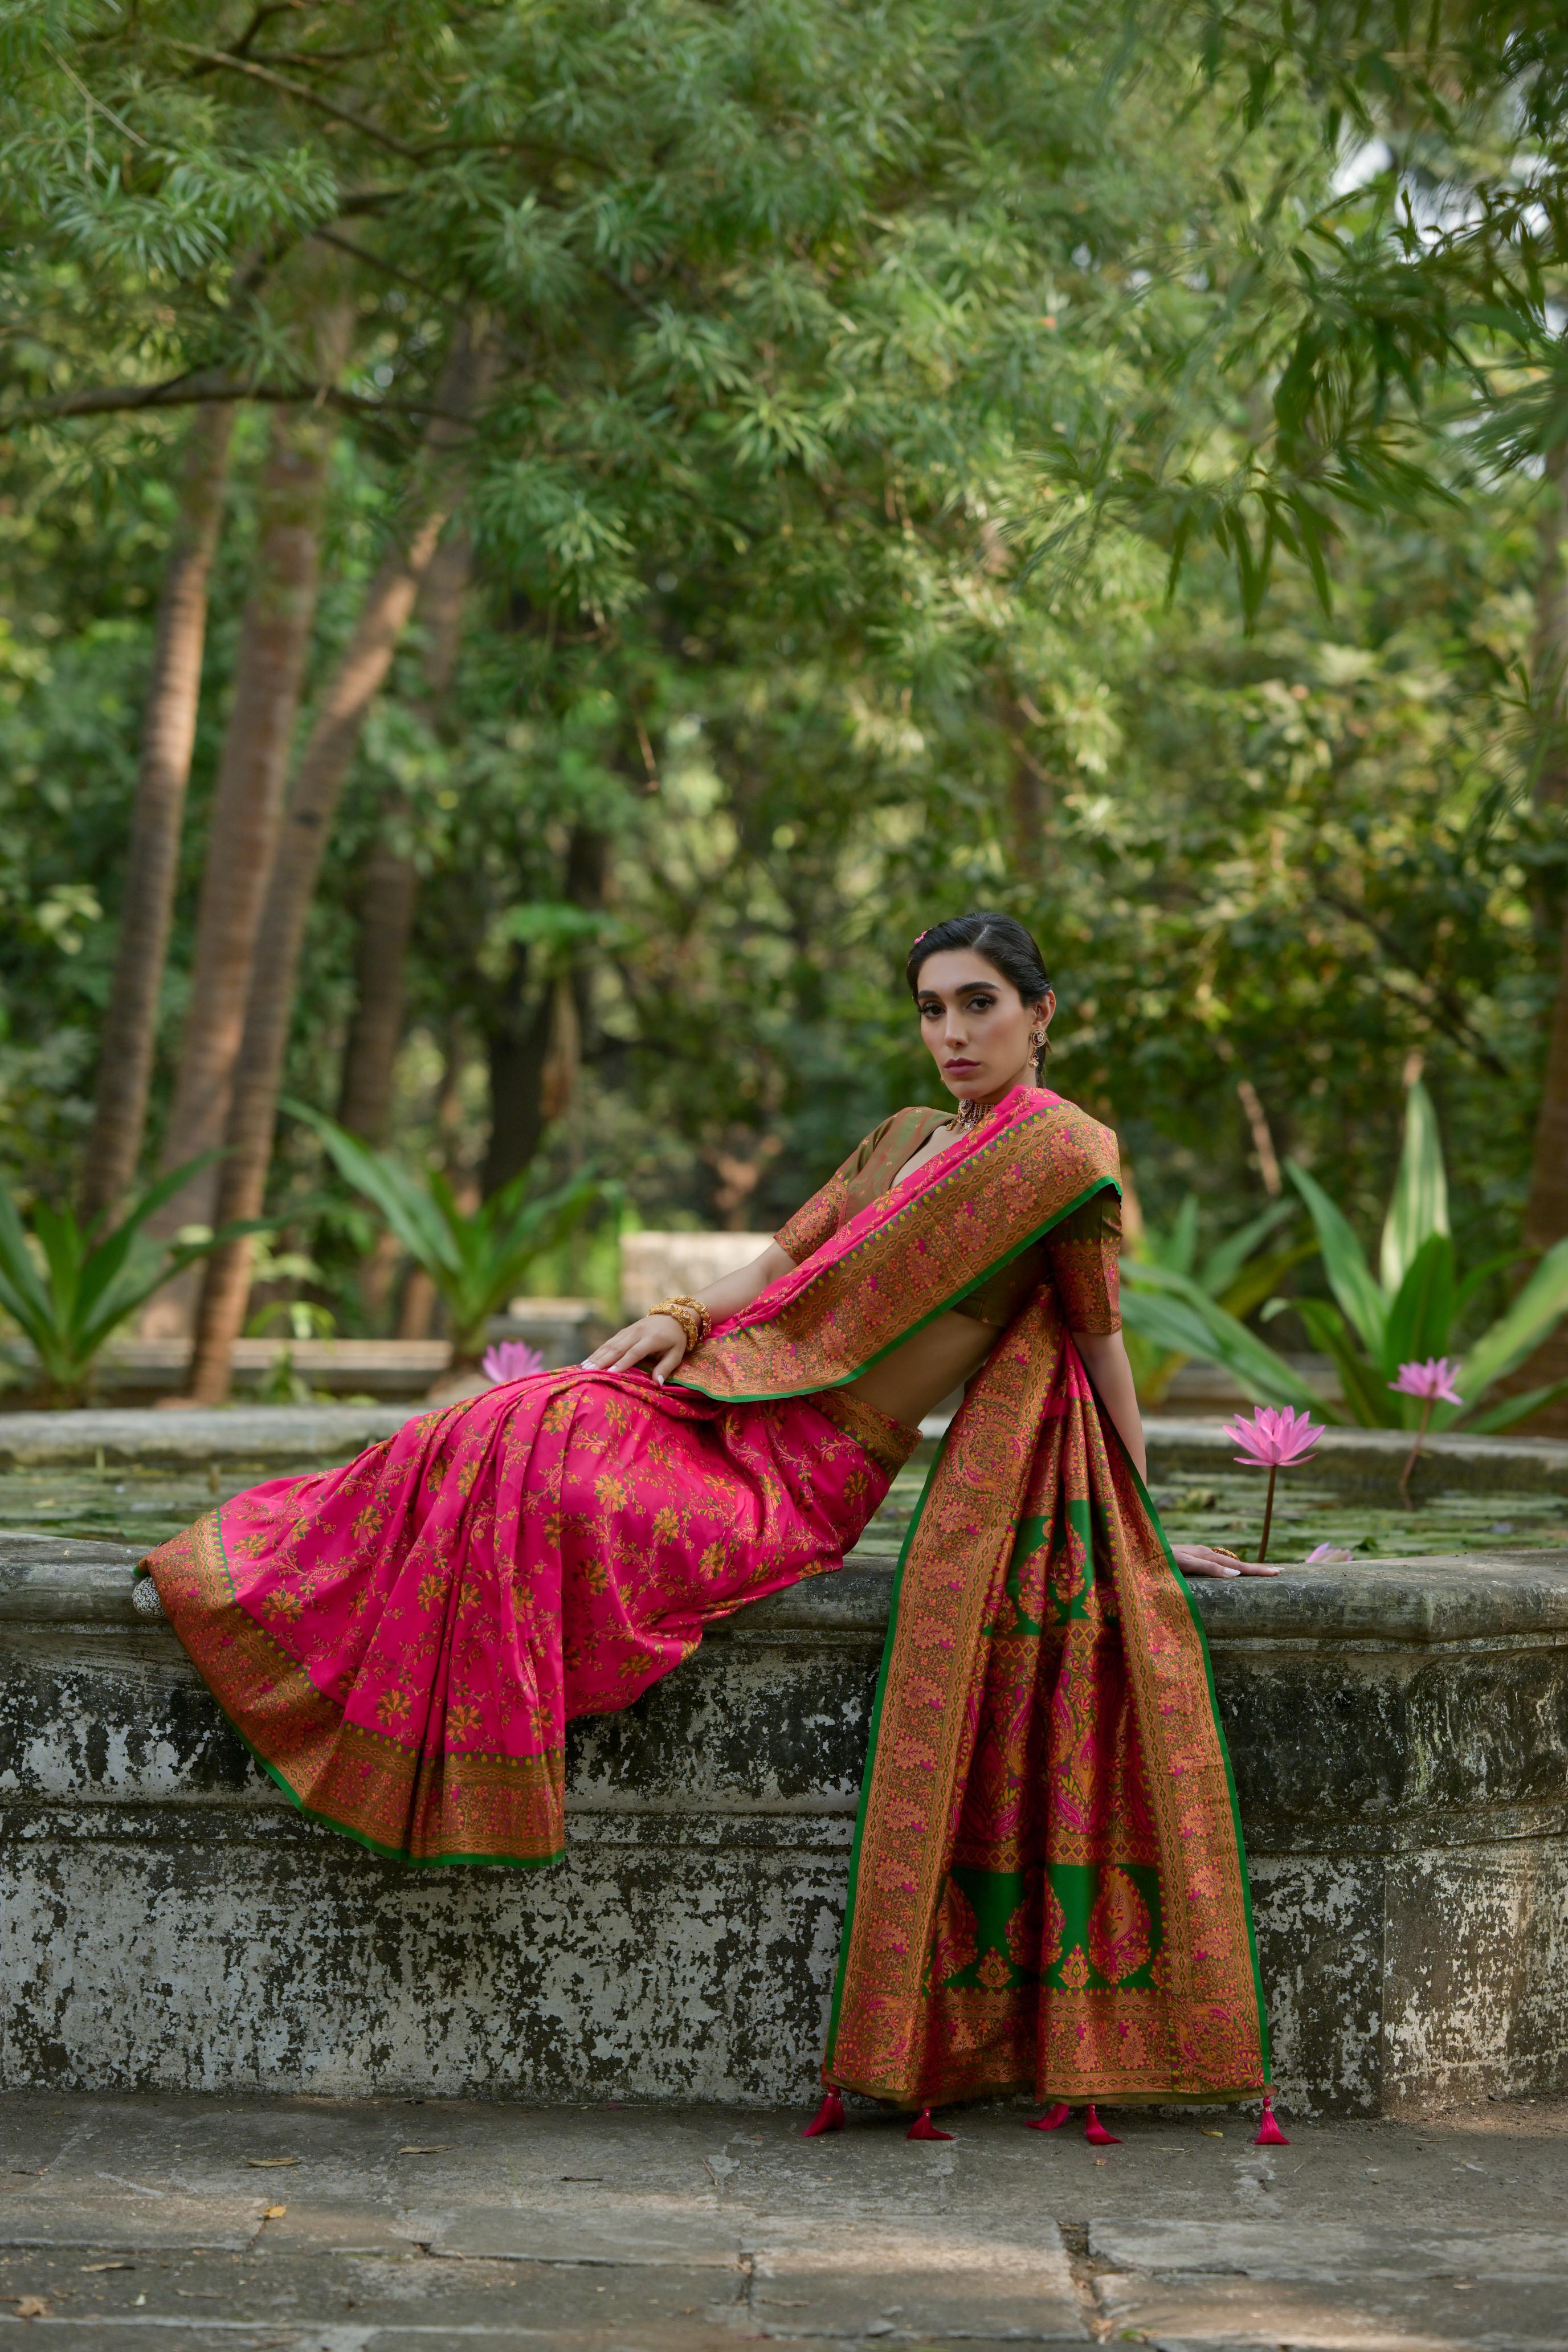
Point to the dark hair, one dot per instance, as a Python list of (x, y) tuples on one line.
[(997, 937)]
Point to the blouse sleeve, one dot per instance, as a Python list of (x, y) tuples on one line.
[(818, 1219), (1085, 1253)]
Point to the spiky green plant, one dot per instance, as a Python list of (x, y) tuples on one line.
[(69, 1287), (476, 1259), (1234, 1276), (1416, 1303)]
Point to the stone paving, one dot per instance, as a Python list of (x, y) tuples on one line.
[(132, 2223)]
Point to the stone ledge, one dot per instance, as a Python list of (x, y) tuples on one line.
[(1469, 1597)]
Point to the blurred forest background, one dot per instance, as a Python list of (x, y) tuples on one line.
[(542, 542)]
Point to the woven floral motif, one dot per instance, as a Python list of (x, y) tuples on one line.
[(1045, 1737), (403, 1641)]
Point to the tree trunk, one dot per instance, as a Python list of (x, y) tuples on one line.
[(381, 965), (323, 769), (152, 857), (526, 1047), (391, 889), (517, 1046), (274, 636), (1030, 793)]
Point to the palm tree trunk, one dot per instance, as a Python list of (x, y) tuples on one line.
[(390, 889), (152, 864), (319, 781), (275, 637)]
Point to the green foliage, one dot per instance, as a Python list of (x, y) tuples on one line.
[(1170, 1312), (478, 1260), (1236, 1277), (929, 445), (1417, 1308), (68, 1289)]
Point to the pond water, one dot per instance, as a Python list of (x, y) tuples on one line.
[(144, 1507), (1226, 1508)]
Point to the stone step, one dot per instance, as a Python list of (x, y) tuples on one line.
[(1399, 1731)]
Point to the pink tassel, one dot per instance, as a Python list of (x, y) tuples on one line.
[(1268, 2132), (1094, 2131), (922, 2127), (829, 2117), (1053, 2118)]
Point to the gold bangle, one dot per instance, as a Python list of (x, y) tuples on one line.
[(692, 1317)]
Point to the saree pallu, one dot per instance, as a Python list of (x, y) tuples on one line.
[(402, 1642), (1049, 1890)]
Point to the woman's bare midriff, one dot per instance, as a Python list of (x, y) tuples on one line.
[(929, 1365), (933, 1362)]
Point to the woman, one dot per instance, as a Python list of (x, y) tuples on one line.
[(1048, 1889)]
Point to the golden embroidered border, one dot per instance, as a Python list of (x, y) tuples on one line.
[(997, 1200), (408, 1806), (1212, 2036), (888, 1442)]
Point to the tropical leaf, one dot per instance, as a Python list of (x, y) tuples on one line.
[(1225, 1262), (1344, 1261), (1366, 1393), (1536, 1312), (478, 1259), (92, 1281), (1511, 1410), (1418, 1207), (1421, 1314), (1171, 1308)]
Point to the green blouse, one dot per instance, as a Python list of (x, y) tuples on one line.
[(1081, 1255)]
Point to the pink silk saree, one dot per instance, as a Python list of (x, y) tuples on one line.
[(1048, 1889), (402, 1642)]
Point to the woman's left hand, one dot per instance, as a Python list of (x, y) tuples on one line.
[(1202, 1559)]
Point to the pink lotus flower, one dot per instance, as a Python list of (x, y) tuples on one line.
[(1433, 1379), (510, 1360), (1329, 1556), (1275, 1436)]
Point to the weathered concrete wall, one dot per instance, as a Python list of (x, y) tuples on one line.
[(1399, 1731)]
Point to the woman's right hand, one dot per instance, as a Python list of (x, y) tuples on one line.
[(656, 1341)]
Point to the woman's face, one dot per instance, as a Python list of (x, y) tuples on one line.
[(976, 1024)]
